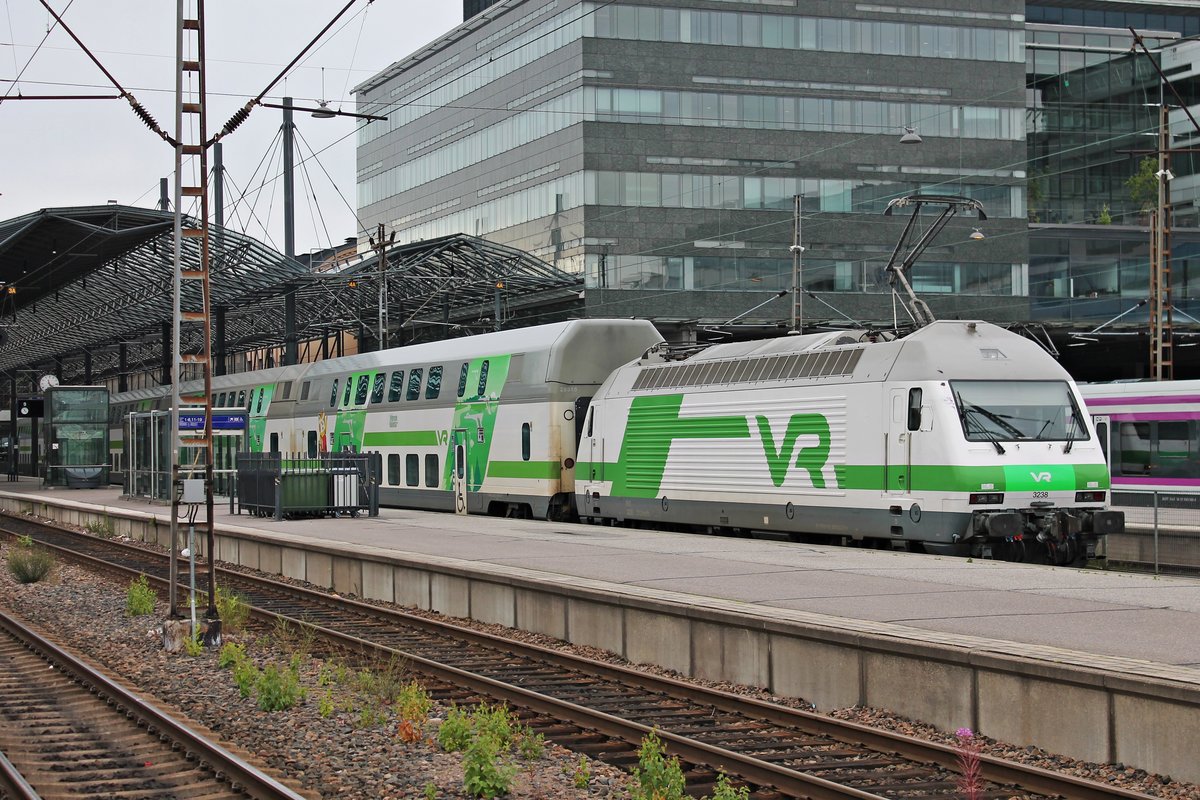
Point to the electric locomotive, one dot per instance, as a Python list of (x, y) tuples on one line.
[(959, 438)]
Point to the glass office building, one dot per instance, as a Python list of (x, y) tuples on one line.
[(656, 148)]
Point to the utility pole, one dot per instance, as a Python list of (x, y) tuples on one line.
[(380, 246), (797, 269), (1162, 334)]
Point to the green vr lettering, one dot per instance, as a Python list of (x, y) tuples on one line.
[(812, 459)]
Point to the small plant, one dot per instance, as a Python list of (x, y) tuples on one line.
[(656, 777), (371, 717), (1105, 217), (430, 790), (724, 790), (278, 689), (297, 638), (483, 774), (231, 653), (495, 722), (413, 706), (246, 676), (970, 779), (1143, 184), (101, 528), (456, 730), (140, 599), (325, 705), (27, 563), (193, 645), (530, 745), (583, 773), (233, 610)]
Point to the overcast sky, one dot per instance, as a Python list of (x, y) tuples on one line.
[(57, 153)]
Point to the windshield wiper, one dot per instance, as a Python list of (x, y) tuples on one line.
[(1070, 437), (967, 408)]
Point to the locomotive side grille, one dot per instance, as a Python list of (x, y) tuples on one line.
[(828, 364)]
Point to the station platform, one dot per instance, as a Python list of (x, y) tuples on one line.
[(958, 630)]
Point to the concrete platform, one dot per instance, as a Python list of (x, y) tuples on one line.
[(1099, 665)]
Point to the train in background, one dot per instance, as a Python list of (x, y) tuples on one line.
[(959, 438), (1151, 434)]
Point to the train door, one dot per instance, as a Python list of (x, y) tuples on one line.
[(903, 429), (591, 454), (458, 475)]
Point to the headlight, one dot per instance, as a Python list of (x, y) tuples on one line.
[(1089, 497), (986, 498)]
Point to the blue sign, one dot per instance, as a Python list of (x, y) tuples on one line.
[(221, 422)]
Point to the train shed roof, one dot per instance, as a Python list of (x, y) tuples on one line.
[(87, 279)]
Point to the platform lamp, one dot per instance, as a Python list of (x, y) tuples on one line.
[(910, 136)]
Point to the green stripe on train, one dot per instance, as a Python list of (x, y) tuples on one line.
[(529, 470), (401, 439)]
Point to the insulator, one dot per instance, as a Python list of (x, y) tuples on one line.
[(237, 119), (144, 115)]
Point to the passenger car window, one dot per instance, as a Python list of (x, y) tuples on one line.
[(433, 386), (462, 380), (377, 388), (414, 384), (360, 394), (396, 386), (333, 394), (483, 373)]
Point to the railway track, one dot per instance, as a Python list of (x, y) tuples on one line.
[(70, 731), (779, 751)]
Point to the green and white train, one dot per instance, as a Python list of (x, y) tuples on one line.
[(961, 437)]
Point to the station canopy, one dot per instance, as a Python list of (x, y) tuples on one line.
[(89, 279)]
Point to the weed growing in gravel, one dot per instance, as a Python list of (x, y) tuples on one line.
[(278, 689), (27, 563), (193, 645), (102, 528), (139, 600), (325, 706), (334, 672), (494, 722), (231, 653), (297, 638), (583, 773), (430, 790), (656, 777), (530, 745), (483, 773), (245, 675), (970, 779), (413, 706), (371, 717), (233, 610), (456, 730), (724, 790)]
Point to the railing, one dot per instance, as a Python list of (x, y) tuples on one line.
[(296, 485), (1162, 531)]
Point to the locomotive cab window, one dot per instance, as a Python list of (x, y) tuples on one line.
[(1005, 411), (914, 409)]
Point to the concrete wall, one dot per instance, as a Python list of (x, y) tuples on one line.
[(1096, 714)]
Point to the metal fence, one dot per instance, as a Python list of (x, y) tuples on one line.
[(1162, 531), (294, 485)]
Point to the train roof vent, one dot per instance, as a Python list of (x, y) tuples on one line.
[(826, 364)]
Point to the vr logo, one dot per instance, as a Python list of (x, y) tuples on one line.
[(1040, 476)]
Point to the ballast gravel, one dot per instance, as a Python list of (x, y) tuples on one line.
[(356, 751)]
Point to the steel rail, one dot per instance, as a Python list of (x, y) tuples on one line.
[(253, 781)]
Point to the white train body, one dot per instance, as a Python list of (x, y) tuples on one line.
[(961, 437)]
